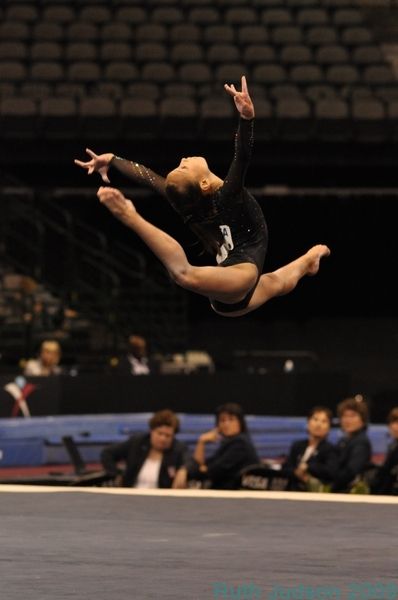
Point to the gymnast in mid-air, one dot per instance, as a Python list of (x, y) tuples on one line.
[(223, 214)]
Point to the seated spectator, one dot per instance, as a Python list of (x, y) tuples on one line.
[(312, 462), (136, 361), (236, 451), (354, 448), (152, 460), (385, 480), (47, 363)]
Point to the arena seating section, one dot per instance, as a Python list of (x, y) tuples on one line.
[(156, 68)]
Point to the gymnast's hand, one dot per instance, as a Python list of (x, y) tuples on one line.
[(114, 200), (99, 163), (242, 100)]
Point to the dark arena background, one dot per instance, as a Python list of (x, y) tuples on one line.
[(144, 80)]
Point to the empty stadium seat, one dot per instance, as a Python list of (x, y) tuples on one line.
[(84, 72), (58, 117), (369, 120), (293, 119), (115, 32), (139, 118), (78, 51), (82, 31), (147, 32), (120, 71), (347, 17), (13, 50), (274, 17), (259, 53), (58, 13), (47, 31), (269, 74), (265, 122), (28, 13), (332, 120), (240, 15), (217, 118), (131, 15), (185, 52), (284, 35), (222, 53), (367, 54), (48, 71), (70, 89), (178, 89), (110, 89), (167, 15), (204, 15), (299, 4), (143, 89), (284, 90), (376, 75), (18, 118), (230, 73), (98, 118), (185, 32), (356, 36), (217, 34), (306, 74), (115, 50), (97, 14), (36, 89), (7, 89), (14, 30), (178, 117), (295, 54), (252, 34), (319, 91), (150, 52), (311, 17), (196, 73), (332, 54), (342, 74), (320, 35), (49, 50), (158, 72)]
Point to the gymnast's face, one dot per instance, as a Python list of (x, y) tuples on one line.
[(193, 169), (228, 425)]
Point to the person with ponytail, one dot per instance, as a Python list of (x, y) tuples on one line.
[(222, 213)]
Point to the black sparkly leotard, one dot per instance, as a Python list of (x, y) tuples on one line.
[(231, 215)]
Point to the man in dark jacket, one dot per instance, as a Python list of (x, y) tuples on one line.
[(152, 460)]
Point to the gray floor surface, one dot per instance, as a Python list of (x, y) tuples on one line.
[(101, 547)]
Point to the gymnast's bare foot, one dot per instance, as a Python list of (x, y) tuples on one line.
[(314, 256)]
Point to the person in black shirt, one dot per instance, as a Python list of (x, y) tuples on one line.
[(354, 447), (155, 459), (221, 470), (311, 464), (221, 213), (385, 480)]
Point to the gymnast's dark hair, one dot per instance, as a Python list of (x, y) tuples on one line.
[(190, 203), (232, 408)]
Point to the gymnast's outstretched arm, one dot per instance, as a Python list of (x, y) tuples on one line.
[(101, 163)]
